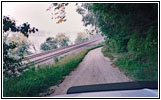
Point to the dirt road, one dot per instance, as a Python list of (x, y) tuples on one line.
[(94, 69)]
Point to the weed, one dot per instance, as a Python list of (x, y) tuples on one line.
[(56, 59)]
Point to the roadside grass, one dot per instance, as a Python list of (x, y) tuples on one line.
[(38, 80), (135, 68), (106, 53)]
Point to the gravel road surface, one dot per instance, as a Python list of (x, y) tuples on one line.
[(94, 69)]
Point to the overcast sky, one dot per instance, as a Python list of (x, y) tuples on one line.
[(35, 13)]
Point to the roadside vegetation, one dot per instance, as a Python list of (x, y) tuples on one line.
[(38, 80), (131, 35), (15, 48)]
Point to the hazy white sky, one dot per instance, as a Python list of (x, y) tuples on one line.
[(35, 13)]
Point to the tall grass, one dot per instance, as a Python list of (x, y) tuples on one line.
[(138, 69), (134, 66), (35, 81)]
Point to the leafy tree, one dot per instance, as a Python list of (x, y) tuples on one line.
[(13, 66), (10, 25), (120, 21), (81, 37), (22, 44), (49, 44), (62, 40)]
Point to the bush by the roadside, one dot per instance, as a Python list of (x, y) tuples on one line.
[(106, 53), (137, 68), (56, 59), (140, 60)]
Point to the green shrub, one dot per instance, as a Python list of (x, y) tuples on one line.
[(135, 67), (56, 59)]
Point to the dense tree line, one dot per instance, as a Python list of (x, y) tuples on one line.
[(130, 29)]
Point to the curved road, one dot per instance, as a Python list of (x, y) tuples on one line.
[(94, 69)]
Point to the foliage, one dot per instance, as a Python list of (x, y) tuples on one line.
[(131, 30), (35, 81), (81, 37), (136, 67), (56, 59), (10, 25), (49, 44), (106, 53), (58, 11), (10, 64), (22, 44), (62, 40), (110, 48), (88, 18), (13, 66)]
